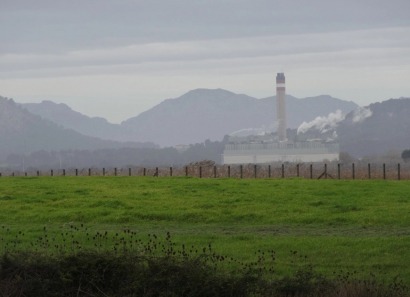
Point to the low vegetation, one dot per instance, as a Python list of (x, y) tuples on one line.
[(158, 267), (230, 237)]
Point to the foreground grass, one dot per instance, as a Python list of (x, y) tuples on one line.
[(361, 226)]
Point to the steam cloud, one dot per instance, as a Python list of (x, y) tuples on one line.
[(322, 124), (361, 114), (252, 131)]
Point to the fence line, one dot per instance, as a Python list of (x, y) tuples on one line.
[(284, 170)]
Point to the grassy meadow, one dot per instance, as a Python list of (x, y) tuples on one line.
[(360, 227)]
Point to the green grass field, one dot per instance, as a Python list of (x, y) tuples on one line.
[(348, 225)]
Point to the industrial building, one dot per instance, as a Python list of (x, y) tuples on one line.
[(277, 147)]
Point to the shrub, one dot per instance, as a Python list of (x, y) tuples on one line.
[(159, 269)]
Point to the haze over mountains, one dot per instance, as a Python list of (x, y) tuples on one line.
[(386, 127), (22, 132), (63, 115), (374, 130), (193, 117)]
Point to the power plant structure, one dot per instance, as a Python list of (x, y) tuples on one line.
[(270, 148), (281, 106)]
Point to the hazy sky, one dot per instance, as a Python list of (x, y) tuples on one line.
[(116, 59)]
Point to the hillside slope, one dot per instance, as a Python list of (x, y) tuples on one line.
[(68, 118), (211, 114), (386, 126), (23, 132)]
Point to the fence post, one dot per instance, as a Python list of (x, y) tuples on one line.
[(170, 171), (241, 170), (186, 170), (63, 172), (12, 174), (338, 171), (353, 173), (297, 170), (398, 171), (76, 172), (229, 171), (269, 171), (156, 172), (311, 171), (283, 170), (129, 171), (115, 171), (384, 171), (200, 171), (38, 173), (89, 171), (255, 170), (51, 172), (325, 171), (214, 171), (368, 171), (144, 171), (25, 173)]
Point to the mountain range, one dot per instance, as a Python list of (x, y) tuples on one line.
[(377, 129), (201, 115), (22, 132), (64, 116), (193, 117)]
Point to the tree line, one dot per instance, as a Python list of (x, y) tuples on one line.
[(121, 157), (129, 157)]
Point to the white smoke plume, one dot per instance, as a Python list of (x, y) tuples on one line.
[(248, 132), (322, 124), (360, 114), (253, 131)]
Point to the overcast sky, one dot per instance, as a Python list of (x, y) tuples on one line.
[(116, 59)]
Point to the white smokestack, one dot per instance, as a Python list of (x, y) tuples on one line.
[(281, 106)]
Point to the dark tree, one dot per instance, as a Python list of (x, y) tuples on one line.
[(405, 155)]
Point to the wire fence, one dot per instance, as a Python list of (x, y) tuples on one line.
[(387, 171)]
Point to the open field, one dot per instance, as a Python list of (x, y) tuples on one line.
[(361, 226)]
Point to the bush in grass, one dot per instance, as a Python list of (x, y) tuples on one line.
[(158, 268), (33, 274), (304, 282), (107, 274)]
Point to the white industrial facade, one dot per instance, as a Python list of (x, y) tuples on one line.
[(301, 152)]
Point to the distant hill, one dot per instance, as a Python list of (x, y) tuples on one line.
[(211, 114), (193, 117), (199, 115), (68, 118), (376, 129), (23, 132)]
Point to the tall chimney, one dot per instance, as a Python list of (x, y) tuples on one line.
[(281, 106)]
